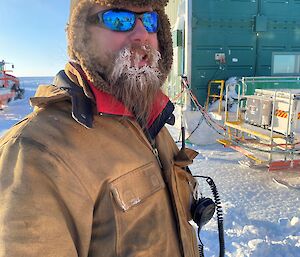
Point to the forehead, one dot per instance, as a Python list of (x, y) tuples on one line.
[(97, 8)]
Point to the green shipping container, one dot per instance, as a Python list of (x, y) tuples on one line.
[(218, 39)]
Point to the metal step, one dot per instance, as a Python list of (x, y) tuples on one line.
[(253, 130)]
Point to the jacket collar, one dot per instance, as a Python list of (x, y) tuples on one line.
[(83, 103), (107, 104)]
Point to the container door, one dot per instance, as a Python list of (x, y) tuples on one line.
[(238, 37)]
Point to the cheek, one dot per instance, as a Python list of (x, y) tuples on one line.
[(111, 40), (153, 41), (103, 40)]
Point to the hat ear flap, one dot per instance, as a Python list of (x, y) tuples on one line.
[(164, 37), (76, 28)]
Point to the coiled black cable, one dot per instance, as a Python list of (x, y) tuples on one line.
[(200, 246), (220, 219)]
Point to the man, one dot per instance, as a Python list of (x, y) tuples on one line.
[(93, 171)]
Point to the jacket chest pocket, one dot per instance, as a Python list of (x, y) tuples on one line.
[(136, 186), (142, 211)]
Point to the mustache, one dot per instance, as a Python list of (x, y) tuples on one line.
[(127, 61)]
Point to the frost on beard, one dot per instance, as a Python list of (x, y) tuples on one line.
[(137, 75)]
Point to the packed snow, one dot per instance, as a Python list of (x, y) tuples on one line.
[(261, 217), (16, 110)]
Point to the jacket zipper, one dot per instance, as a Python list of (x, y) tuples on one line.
[(144, 139), (155, 152)]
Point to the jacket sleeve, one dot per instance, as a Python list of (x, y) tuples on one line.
[(44, 209)]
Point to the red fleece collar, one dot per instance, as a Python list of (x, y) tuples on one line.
[(108, 104)]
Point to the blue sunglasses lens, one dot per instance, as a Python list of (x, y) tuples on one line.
[(122, 20), (118, 21), (150, 21)]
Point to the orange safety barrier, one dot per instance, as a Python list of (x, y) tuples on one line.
[(281, 114)]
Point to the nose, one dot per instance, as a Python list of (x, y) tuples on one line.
[(139, 33)]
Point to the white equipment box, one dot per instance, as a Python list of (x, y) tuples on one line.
[(286, 101), (258, 110)]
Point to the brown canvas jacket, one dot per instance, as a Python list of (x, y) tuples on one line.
[(70, 191)]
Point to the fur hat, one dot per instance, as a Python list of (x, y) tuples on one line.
[(77, 37)]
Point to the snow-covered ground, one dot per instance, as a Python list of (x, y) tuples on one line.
[(261, 218), (16, 110)]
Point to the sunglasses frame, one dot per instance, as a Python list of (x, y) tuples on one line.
[(97, 19)]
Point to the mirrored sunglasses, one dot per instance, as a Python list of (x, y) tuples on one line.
[(124, 20)]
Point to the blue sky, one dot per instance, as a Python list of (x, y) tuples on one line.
[(32, 35)]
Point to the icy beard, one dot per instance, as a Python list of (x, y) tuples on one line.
[(136, 87)]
